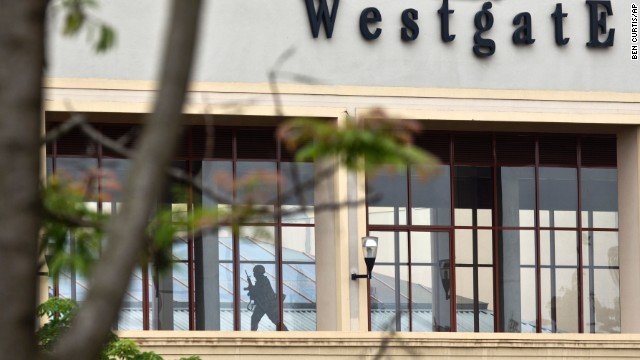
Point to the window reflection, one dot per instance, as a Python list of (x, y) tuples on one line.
[(431, 198), (516, 196), (389, 197), (599, 194), (558, 197), (473, 196)]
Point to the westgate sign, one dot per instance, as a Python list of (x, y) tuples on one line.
[(599, 10)]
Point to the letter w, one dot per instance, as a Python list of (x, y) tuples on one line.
[(322, 14)]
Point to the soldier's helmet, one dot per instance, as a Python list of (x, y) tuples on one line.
[(258, 270)]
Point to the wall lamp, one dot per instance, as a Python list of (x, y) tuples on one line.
[(370, 250)]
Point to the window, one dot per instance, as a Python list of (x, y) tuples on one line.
[(204, 289), (521, 230)]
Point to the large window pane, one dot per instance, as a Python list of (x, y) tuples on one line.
[(431, 198), (299, 278), (214, 289), (131, 312), (114, 175), (558, 248), (558, 197), (517, 280), (473, 196), (485, 299), (388, 198), (299, 281), (257, 185), (392, 247), (599, 193), (430, 282), (297, 193), (516, 196)]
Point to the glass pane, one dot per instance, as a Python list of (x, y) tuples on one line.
[(388, 198), (131, 312), (297, 192), (465, 239), (516, 196), (114, 175), (558, 197), (259, 309), (600, 248), (485, 299), (606, 300), (546, 300), (528, 307), (299, 296), (558, 248), (559, 300), (464, 246), (213, 251), (217, 176), (78, 169), (431, 198), (464, 299), (257, 185), (392, 247), (421, 247), (389, 293), (518, 285), (298, 244), (225, 242), (485, 246), (404, 299), (257, 243), (430, 285), (599, 194), (473, 196), (566, 300), (171, 299), (226, 298)]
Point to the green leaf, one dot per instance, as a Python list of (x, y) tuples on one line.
[(106, 40)]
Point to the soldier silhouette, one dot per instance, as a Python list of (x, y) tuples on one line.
[(264, 298)]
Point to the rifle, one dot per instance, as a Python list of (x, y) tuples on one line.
[(251, 305)]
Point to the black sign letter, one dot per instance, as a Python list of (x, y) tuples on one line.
[(365, 20), (522, 35), (483, 47), (557, 19), (328, 19), (408, 20), (600, 23), (444, 21)]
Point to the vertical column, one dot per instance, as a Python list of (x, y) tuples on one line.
[(629, 223), (332, 247)]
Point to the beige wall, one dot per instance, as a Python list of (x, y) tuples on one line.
[(629, 223), (360, 345)]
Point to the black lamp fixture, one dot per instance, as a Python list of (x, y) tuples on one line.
[(370, 250)]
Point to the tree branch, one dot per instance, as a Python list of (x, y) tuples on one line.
[(126, 230)]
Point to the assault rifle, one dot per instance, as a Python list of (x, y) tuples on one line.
[(251, 305)]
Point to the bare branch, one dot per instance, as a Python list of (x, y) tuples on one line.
[(64, 128)]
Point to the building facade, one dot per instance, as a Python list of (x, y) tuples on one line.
[(530, 226)]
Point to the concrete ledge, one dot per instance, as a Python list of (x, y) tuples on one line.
[(377, 345)]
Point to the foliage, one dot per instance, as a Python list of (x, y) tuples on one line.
[(68, 214), (60, 312), (77, 17), (380, 140)]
